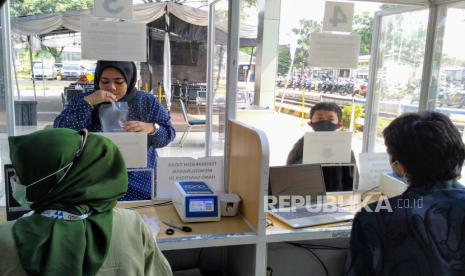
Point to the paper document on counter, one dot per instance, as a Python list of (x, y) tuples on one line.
[(132, 145), (174, 169), (325, 147), (372, 166)]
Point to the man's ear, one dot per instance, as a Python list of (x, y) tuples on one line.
[(401, 169)]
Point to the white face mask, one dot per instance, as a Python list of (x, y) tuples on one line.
[(19, 192), (402, 177)]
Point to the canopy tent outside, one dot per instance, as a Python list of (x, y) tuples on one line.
[(47, 24), (177, 22)]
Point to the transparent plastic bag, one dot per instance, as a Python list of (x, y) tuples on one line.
[(113, 116)]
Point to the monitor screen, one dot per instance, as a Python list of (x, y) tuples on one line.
[(13, 209)]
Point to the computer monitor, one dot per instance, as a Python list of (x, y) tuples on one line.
[(14, 210), (302, 180), (339, 177)]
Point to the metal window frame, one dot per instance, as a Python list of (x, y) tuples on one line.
[(5, 31), (370, 127)]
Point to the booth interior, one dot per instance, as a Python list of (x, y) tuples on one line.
[(253, 241), (260, 238)]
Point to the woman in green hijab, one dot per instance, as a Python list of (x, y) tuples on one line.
[(72, 180)]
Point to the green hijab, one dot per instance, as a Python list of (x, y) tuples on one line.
[(48, 246)]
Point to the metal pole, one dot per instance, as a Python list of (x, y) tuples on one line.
[(210, 56), (425, 98), (437, 56), (29, 40), (231, 76), (13, 59), (6, 52), (43, 76), (369, 128)]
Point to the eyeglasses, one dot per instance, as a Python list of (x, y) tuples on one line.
[(83, 133)]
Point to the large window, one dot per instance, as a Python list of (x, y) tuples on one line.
[(398, 70), (448, 67)]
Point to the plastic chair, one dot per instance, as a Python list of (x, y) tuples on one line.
[(190, 123)]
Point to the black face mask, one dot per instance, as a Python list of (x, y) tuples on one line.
[(324, 126)]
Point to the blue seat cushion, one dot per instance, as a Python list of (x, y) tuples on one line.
[(196, 122)]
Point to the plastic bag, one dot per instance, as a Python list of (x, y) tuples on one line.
[(113, 116)]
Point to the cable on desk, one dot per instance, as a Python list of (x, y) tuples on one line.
[(367, 191), (319, 246), (199, 257), (269, 269), (313, 253), (151, 205)]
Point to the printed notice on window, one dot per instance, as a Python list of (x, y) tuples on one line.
[(372, 166), (327, 147), (334, 50), (110, 40), (174, 169)]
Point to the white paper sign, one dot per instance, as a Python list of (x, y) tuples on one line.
[(113, 8), (325, 147), (173, 169), (119, 41), (132, 145), (334, 50), (372, 166), (338, 17)]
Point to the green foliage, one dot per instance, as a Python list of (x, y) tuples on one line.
[(307, 26), (54, 52), (347, 114), (247, 50), (249, 3), (284, 60), (362, 25), (32, 7)]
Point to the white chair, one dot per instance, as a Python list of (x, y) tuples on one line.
[(190, 123)]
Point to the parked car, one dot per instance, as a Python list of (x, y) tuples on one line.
[(71, 71), (45, 70)]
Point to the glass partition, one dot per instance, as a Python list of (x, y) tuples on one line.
[(398, 71), (216, 79)]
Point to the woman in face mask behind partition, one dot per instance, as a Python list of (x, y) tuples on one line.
[(421, 231), (326, 117), (71, 181)]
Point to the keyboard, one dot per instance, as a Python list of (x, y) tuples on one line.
[(303, 212)]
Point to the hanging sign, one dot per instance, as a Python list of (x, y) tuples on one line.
[(338, 17), (120, 41), (334, 50), (121, 9)]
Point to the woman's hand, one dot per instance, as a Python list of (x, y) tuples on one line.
[(100, 96), (137, 126)]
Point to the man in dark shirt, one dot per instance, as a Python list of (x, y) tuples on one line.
[(421, 231), (326, 117)]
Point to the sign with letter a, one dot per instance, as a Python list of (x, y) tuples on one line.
[(121, 9)]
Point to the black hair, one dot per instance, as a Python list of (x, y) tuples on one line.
[(327, 106), (428, 145)]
